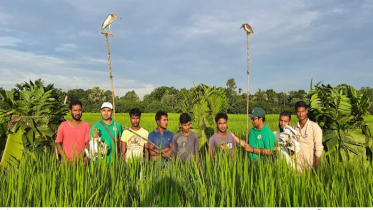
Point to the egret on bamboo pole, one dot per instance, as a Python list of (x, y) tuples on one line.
[(249, 31), (107, 23)]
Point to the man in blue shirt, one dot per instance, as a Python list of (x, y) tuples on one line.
[(161, 137)]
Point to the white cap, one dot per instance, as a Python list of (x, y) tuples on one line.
[(107, 105)]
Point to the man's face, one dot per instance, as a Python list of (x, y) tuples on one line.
[(302, 113), (106, 113), (163, 122), (135, 120), (222, 125), (284, 120), (255, 121), (76, 112), (185, 127)]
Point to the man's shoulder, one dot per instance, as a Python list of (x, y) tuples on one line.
[(214, 136), (84, 123), (314, 125), (177, 135), (194, 135), (153, 133), (143, 131), (267, 129), (169, 132)]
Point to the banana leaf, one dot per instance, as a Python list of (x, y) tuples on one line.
[(13, 151)]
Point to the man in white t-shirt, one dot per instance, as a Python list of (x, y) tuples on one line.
[(286, 143), (134, 146)]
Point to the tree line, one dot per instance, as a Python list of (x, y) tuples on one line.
[(171, 99)]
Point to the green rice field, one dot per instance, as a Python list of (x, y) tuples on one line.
[(45, 182)]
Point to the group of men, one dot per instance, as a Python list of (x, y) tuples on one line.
[(74, 135)]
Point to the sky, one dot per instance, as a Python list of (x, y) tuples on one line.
[(185, 43)]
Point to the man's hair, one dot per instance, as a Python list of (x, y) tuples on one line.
[(159, 114), (135, 112), (300, 104), (286, 113), (73, 103), (221, 115), (185, 118)]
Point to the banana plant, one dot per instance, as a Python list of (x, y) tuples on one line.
[(338, 110), (203, 104), (32, 116)]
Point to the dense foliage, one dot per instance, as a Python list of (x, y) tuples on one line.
[(29, 118)]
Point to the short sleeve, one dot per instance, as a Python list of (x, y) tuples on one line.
[(151, 139), (87, 130), (59, 134), (211, 142), (174, 146), (196, 144), (120, 129), (318, 140), (269, 142)]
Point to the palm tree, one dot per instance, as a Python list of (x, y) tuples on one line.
[(260, 95)]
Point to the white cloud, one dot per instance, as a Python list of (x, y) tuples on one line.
[(18, 67), (66, 48), (7, 41)]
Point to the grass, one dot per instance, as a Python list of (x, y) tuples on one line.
[(45, 182), (218, 183)]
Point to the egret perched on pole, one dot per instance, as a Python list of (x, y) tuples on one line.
[(109, 19), (249, 31)]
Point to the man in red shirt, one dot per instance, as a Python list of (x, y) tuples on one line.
[(73, 135)]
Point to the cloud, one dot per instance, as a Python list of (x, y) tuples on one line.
[(8, 41), (66, 48), (18, 67)]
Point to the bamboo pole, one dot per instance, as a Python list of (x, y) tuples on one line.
[(130, 130), (248, 88), (112, 89)]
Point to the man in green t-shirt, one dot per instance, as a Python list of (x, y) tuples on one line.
[(261, 138), (104, 126)]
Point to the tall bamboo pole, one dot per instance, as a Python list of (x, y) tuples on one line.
[(112, 90), (248, 88), (249, 31)]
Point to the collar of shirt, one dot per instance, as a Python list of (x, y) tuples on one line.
[(298, 125), (165, 131), (112, 122), (261, 128)]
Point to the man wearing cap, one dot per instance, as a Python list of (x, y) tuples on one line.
[(106, 130), (261, 138)]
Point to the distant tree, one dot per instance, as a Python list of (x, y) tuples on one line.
[(169, 99), (125, 106), (231, 91), (76, 94), (130, 96), (283, 98), (231, 84), (156, 106), (272, 96), (260, 95), (97, 96)]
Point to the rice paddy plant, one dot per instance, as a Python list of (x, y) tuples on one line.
[(222, 182)]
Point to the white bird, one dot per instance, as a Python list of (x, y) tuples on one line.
[(109, 19), (247, 28)]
